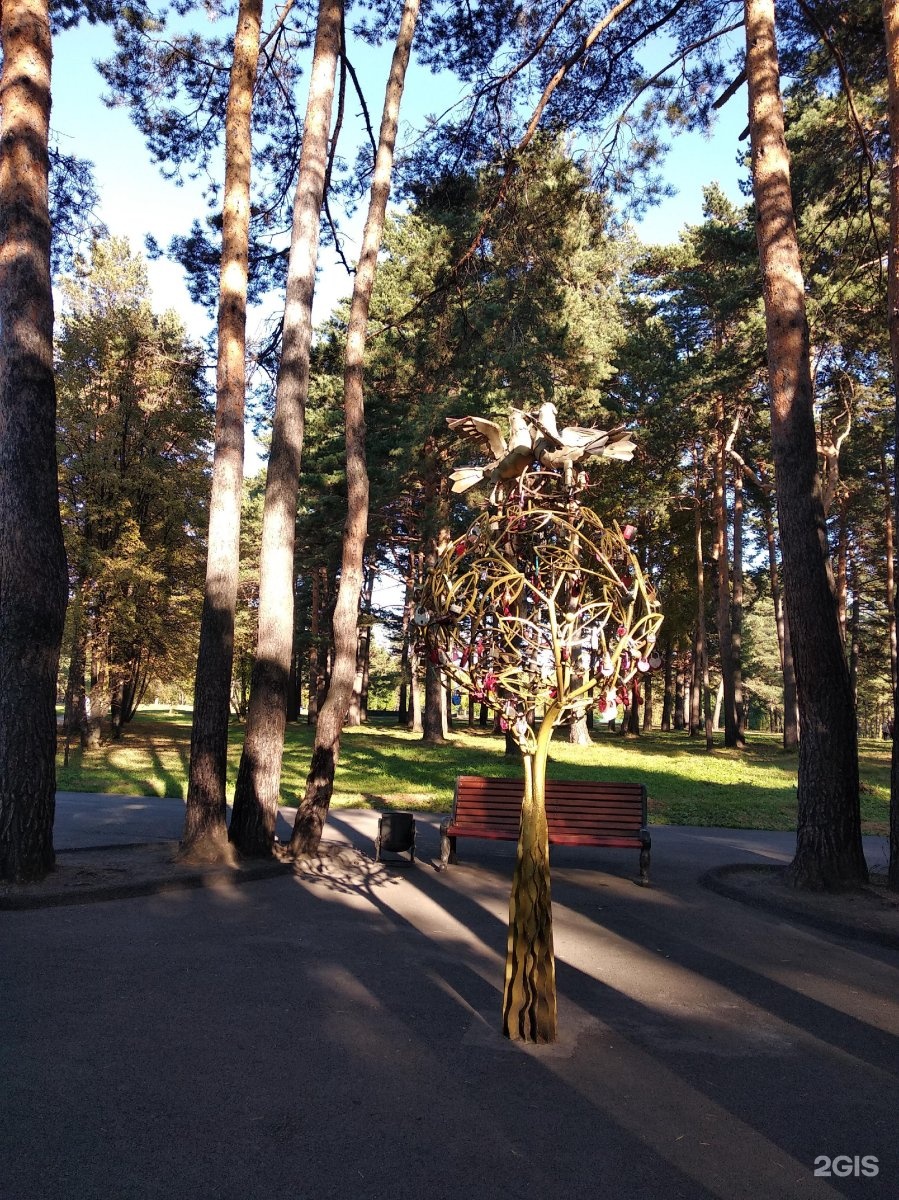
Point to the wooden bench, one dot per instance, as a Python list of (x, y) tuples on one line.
[(579, 813)]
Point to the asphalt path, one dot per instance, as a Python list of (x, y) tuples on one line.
[(336, 1034)]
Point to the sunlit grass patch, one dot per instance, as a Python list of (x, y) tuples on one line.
[(383, 766)]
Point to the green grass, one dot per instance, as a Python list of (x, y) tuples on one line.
[(382, 766)]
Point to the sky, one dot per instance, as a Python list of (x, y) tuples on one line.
[(137, 200)]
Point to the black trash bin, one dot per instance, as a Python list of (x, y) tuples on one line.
[(396, 832)]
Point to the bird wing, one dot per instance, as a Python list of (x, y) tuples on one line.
[(612, 443), (576, 436), (519, 431), (551, 437), (481, 431)]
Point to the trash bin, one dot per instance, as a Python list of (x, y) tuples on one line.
[(396, 832)]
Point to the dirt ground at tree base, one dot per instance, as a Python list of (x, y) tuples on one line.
[(870, 912), (101, 873)]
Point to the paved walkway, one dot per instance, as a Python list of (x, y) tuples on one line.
[(335, 1034)]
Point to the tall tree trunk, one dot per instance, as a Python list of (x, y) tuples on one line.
[(406, 664), (891, 27), (719, 704), (356, 713), (680, 681), (695, 686), (668, 690), (854, 629), (701, 655), (77, 663), (828, 845), (415, 718), (842, 566), (314, 647), (736, 612), (722, 568), (647, 704), (259, 777), (205, 834), (791, 710), (313, 810), (889, 542), (33, 573), (433, 729)]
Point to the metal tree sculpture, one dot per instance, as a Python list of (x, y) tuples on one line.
[(539, 607)]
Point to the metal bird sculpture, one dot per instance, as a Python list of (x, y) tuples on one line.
[(555, 449), (510, 460)]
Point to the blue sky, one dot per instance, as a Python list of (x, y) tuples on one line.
[(137, 201)]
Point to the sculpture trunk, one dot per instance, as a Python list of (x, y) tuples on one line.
[(529, 998)]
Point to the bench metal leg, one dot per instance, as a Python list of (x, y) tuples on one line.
[(644, 867), (447, 850)]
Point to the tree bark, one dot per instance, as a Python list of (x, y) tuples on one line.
[(791, 710), (701, 656), (854, 632), (828, 845), (433, 730), (890, 555), (680, 720), (668, 690), (205, 834), (736, 612), (258, 782), (406, 665), (647, 704), (356, 713), (313, 810), (33, 573), (314, 638), (722, 568), (891, 28)]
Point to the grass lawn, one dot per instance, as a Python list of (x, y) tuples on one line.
[(382, 766)]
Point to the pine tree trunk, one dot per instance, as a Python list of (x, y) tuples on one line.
[(680, 719), (791, 710), (314, 637), (736, 612), (890, 556), (891, 27), (578, 733), (529, 993), (407, 664), (828, 846), (842, 568), (205, 834), (668, 693), (433, 729), (77, 664), (854, 630), (415, 719), (701, 656), (313, 809), (259, 777), (355, 713), (33, 573), (722, 568)]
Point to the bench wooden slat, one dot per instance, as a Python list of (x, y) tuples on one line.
[(578, 812)]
